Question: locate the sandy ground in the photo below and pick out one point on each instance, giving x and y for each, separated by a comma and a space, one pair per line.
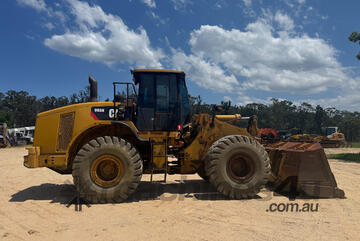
33, 207
341, 150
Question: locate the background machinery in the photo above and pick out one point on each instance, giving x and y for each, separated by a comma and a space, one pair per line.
330, 137
108, 146
269, 135
4, 138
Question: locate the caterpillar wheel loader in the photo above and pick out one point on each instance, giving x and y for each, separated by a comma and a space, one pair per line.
332, 137
108, 146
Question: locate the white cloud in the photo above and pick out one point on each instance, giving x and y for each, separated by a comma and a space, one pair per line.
348, 97
157, 17
346, 101
49, 26
266, 58
284, 21
205, 74
180, 4
243, 99
301, 1
38, 5
265, 61
247, 3
248, 10
104, 38
227, 98
324, 17
150, 3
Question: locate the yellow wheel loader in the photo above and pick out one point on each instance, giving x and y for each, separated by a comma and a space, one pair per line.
108, 146
332, 138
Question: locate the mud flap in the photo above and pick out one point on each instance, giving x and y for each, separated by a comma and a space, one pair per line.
302, 168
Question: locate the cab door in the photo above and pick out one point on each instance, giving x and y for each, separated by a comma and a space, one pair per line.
145, 113
158, 107
166, 109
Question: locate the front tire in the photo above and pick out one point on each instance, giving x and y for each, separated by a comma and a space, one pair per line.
202, 173
107, 169
237, 166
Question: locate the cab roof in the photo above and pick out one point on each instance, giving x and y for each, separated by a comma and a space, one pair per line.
135, 71
157, 70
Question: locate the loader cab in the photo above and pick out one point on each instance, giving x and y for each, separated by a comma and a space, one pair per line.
163, 102
331, 130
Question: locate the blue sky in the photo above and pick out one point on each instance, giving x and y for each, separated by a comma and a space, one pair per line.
239, 50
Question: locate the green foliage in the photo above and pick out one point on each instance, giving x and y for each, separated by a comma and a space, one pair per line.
351, 157
355, 144
354, 37
320, 118
18, 108
284, 115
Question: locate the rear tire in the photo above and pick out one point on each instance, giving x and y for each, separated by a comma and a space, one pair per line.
237, 166
107, 169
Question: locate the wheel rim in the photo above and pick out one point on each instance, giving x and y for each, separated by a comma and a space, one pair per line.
240, 168
107, 170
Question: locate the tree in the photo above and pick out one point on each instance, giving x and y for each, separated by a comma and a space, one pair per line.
354, 37
22, 107
305, 113
18, 108
81, 97
350, 126
320, 117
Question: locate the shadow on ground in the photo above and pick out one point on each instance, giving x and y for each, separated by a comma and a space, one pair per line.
178, 190
175, 191
55, 193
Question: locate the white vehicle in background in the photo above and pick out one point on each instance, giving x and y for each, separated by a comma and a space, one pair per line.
29, 133
22, 135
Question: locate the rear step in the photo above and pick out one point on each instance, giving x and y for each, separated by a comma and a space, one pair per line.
163, 146
305, 167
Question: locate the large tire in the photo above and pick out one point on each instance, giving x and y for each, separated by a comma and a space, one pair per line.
202, 173
107, 169
237, 166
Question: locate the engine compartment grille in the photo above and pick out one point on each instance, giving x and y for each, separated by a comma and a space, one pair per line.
65, 130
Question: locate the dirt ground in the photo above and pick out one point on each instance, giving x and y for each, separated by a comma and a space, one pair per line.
33, 207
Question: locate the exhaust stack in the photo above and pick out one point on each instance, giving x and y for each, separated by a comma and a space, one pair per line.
93, 89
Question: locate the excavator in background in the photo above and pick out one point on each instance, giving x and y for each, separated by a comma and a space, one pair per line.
269, 135
108, 146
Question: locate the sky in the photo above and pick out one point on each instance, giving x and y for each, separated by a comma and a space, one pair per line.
240, 50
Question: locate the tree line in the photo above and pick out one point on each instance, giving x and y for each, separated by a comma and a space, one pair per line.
285, 115
19, 108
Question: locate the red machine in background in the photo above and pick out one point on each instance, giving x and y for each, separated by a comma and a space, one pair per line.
269, 135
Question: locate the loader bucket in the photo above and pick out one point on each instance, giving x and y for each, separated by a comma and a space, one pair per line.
303, 168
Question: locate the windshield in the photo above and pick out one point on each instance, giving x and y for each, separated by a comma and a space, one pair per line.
330, 130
